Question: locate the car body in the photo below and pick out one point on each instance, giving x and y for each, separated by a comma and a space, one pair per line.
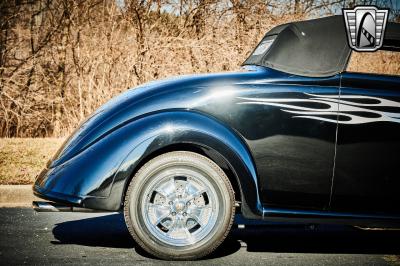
311, 144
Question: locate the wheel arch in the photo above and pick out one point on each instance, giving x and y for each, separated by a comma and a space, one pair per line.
185, 130
201, 149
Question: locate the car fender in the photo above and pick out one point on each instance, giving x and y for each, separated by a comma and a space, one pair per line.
157, 131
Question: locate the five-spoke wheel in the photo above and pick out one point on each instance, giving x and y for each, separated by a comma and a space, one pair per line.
179, 205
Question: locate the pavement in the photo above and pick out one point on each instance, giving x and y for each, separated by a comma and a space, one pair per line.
33, 238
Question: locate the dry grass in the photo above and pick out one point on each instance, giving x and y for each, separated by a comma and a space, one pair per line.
21, 159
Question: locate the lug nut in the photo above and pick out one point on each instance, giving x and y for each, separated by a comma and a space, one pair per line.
188, 203
173, 213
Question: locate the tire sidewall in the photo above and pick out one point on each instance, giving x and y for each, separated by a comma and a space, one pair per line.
134, 199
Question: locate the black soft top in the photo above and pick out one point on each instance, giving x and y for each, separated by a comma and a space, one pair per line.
314, 48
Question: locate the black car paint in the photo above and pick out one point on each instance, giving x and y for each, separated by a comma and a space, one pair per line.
366, 173
283, 164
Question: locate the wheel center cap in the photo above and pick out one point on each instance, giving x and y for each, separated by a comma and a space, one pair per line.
179, 206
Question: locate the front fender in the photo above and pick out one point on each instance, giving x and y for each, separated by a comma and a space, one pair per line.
100, 174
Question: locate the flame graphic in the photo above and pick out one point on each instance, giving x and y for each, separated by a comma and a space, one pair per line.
350, 110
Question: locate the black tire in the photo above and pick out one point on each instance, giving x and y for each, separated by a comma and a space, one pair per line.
219, 190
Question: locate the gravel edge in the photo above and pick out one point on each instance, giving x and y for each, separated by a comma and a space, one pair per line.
16, 196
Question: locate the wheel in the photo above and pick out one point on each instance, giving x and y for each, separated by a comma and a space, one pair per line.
179, 206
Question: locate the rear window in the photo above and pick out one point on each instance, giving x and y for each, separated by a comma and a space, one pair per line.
379, 62
265, 44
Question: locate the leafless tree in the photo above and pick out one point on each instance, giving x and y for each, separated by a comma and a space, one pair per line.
61, 59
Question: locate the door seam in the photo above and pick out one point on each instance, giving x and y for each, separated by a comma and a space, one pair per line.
336, 140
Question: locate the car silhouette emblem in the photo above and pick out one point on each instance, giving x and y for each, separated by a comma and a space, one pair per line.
365, 27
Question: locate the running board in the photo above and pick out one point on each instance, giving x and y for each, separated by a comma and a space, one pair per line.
327, 216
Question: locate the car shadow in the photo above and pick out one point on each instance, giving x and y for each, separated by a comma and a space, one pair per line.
110, 231
101, 231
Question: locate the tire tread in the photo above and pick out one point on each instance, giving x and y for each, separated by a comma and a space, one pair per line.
216, 244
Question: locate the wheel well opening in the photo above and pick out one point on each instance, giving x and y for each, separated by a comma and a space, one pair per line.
205, 151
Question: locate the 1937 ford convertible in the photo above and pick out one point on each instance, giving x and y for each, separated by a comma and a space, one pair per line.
291, 137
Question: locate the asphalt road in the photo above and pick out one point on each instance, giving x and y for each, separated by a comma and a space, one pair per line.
102, 239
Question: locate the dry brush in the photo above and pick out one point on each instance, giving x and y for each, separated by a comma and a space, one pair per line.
61, 59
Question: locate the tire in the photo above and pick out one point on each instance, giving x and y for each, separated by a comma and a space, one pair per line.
179, 206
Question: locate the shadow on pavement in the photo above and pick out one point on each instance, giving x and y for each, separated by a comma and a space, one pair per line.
323, 239
102, 231
110, 231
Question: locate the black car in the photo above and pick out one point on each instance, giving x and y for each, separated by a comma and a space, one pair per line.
291, 137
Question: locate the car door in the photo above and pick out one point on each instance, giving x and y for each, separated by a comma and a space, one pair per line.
367, 177
291, 132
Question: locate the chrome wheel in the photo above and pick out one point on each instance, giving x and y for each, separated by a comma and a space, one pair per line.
180, 207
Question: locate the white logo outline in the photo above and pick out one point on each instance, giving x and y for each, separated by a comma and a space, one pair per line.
352, 19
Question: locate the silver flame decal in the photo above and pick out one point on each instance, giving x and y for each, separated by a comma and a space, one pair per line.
353, 109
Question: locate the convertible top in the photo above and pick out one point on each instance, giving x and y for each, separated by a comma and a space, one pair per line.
313, 48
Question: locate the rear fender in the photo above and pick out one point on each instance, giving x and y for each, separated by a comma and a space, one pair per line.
158, 131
